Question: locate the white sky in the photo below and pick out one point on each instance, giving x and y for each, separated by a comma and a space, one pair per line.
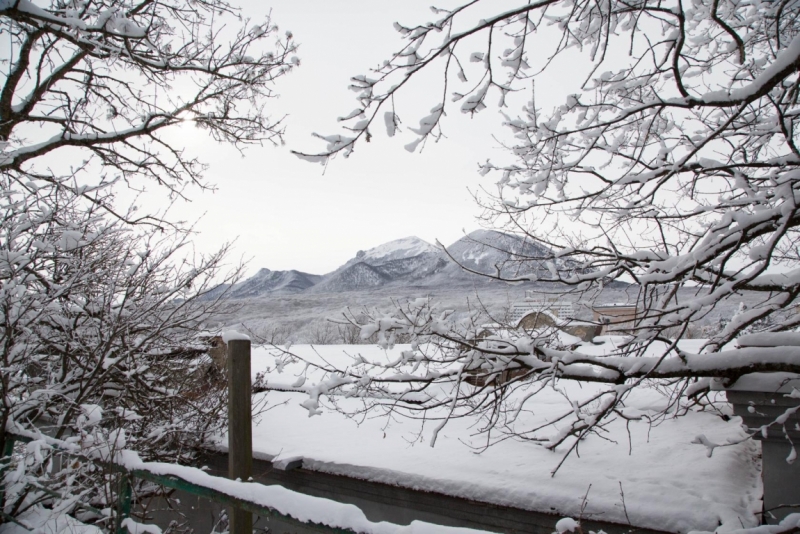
285, 213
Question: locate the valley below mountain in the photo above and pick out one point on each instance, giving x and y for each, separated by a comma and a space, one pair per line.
297, 307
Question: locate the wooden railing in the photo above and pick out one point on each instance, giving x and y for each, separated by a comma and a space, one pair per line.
239, 458
208, 490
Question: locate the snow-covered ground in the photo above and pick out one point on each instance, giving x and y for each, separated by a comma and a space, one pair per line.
300, 318
668, 482
43, 521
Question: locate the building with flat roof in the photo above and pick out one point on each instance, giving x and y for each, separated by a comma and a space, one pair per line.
534, 303
617, 317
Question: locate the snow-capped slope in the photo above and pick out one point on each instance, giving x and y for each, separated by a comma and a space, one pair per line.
412, 261
408, 247
275, 282
414, 268
397, 261
350, 278
490, 252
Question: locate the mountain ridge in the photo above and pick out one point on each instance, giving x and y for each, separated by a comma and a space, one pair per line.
411, 261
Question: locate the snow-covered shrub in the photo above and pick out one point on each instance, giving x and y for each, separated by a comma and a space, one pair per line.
98, 346
98, 303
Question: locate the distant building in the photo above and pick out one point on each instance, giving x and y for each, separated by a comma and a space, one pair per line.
539, 321
538, 313
555, 306
615, 317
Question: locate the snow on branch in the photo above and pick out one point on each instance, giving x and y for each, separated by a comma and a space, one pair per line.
455, 369
101, 76
673, 167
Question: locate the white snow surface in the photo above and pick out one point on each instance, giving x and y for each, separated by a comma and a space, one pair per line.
305, 508
567, 524
406, 247
763, 382
770, 339
233, 335
43, 521
669, 483
139, 528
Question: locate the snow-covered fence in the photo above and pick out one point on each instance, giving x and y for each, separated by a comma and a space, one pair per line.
233, 493
292, 508
243, 498
768, 405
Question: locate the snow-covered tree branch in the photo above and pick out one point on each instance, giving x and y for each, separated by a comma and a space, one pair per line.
100, 314
451, 366
108, 77
671, 168
99, 327
675, 165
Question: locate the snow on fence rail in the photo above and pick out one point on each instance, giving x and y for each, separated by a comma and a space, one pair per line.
267, 501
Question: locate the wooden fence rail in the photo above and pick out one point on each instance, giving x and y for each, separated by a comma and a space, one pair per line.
207, 491
240, 461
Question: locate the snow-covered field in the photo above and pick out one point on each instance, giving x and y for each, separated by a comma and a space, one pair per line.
306, 318
668, 482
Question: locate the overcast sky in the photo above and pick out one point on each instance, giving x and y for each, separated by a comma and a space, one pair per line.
284, 211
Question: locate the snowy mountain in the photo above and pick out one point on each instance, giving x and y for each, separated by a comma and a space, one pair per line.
490, 252
352, 277
274, 282
399, 249
407, 259
412, 262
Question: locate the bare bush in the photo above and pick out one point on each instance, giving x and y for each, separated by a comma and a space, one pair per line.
101, 344
100, 305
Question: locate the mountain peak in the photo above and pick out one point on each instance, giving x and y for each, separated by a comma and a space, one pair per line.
399, 248
278, 282
411, 261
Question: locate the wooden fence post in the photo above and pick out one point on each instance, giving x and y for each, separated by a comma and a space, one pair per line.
5, 461
240, 426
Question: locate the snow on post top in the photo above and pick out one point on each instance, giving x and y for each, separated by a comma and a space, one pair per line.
762, 382
770, 339
567, 524
233, 335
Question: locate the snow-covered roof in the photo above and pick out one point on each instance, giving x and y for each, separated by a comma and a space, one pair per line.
614, 305
555, 319
560, 322
560, 309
